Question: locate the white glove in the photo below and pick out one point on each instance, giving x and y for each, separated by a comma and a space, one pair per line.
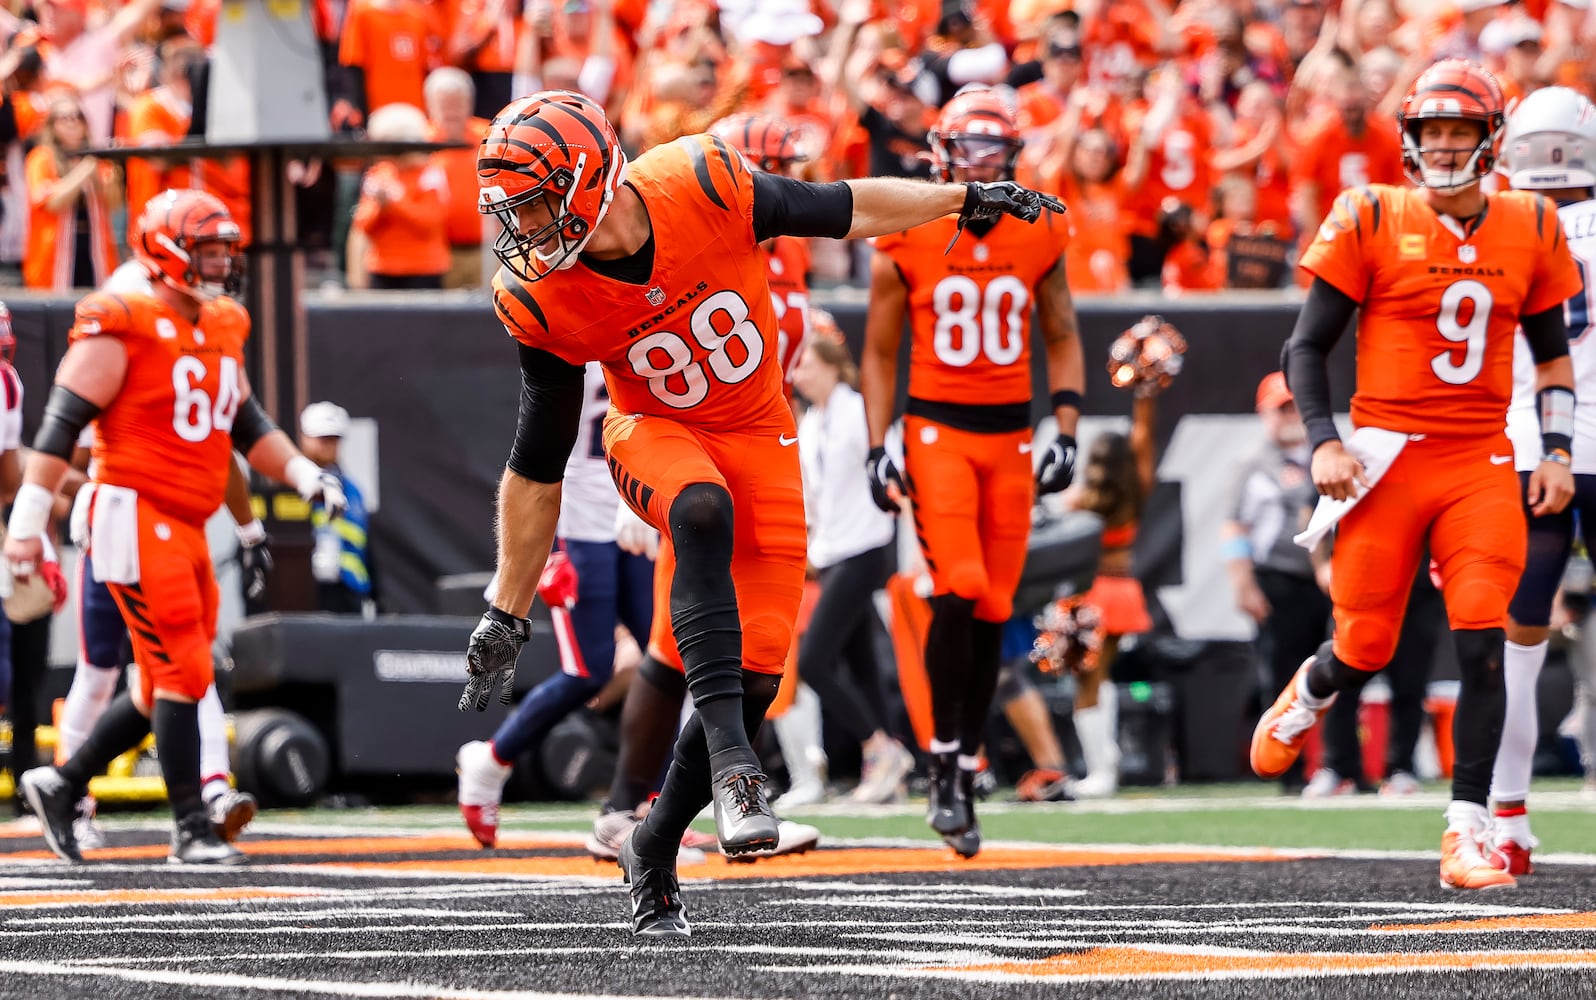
635, 535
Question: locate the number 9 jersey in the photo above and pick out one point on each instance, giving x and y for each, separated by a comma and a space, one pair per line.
970, 311
1440, 309
167, 434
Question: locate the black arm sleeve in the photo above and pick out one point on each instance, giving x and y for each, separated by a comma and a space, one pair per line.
1547, 334
65, 415
8, 122
1304, 359
250, 424
787, 207
550, 416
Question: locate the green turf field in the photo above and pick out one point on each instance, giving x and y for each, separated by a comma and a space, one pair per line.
1236, 815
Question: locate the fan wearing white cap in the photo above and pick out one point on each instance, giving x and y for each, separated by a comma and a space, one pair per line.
340, 558
1550, 148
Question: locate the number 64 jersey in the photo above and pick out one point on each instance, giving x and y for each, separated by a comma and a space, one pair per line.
167, 434
1440, 308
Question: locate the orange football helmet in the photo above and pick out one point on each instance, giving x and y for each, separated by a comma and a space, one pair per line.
1453, 89
173, 226
976, 130
558, 146
768, 143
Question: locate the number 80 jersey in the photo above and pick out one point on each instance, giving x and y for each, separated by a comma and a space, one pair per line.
970, 311
167, 433
1438, 309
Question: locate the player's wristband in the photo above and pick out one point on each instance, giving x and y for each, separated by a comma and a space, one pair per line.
1068, 397
1556, 408
30, 511
252, 533
1560, 457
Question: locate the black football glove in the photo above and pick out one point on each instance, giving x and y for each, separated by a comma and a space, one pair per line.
884, 479
490, 658
255, 560
1058, 465
995, 199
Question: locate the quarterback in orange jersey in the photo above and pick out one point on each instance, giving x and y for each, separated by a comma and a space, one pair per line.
161, 376
967, 427
1441, 275
652, 269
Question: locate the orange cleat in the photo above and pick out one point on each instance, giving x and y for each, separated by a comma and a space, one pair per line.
1278, 739
1464, 867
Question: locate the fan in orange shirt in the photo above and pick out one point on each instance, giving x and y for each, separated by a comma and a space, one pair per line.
403, 209
1441, 278
967, 427
657, 279
450, 95
1347, 151
1169, 146
386, 48
159, 117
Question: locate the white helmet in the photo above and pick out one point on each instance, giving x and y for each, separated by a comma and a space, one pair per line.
1551, 141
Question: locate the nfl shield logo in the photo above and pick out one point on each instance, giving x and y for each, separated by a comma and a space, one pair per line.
656, 295
1466, 253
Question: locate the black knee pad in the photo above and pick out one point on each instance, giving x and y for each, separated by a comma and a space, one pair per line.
701, 521
1011, 685
1329, 672
759, 693
1479, 652
671, 683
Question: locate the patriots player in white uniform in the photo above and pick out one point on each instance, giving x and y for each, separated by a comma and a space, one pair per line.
1550, 147
609, 586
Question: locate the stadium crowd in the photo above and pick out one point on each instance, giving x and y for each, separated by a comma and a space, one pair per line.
1196, 144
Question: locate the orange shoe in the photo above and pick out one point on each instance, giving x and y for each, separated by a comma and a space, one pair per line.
1464, 867
1278, 739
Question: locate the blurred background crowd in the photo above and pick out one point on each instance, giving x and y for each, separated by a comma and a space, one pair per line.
1195, 143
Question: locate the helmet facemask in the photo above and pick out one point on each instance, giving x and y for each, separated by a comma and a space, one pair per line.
194, 282
555, 245
977, 151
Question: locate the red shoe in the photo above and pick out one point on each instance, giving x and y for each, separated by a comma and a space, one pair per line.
483, 822
1280, 734
1512, 857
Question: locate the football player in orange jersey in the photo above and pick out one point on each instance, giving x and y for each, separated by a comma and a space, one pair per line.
1440, 275
773, 145
967, 426
652, 270
161, 376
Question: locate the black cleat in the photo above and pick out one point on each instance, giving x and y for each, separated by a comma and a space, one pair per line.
657, 908
54, 802
744, 821
967, 842
949, 811
194, 842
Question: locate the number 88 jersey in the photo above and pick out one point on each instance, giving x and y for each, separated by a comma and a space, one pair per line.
1439, 307
167, 433
970, 311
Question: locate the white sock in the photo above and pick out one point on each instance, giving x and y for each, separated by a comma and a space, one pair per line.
1514, 828
1467, 817
1515, 757
91, 691
968, 763
215, 761
945, 746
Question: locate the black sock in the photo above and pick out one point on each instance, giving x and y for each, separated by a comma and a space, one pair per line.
177, 745
1329, 675
947, 660
687, 784
1481, 709
980, 682
648, 728
704, 618
119, 730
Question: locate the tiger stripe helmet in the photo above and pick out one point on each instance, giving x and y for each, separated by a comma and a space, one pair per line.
766, 142
976, 129
1452, 89
173, 225
558, 146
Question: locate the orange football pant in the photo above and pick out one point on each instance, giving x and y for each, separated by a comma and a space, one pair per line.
1461, 493
654, 458
171, 611
972, 498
